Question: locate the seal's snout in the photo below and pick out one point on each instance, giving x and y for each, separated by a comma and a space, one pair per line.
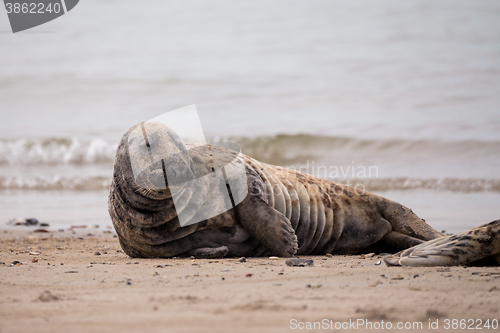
159, 159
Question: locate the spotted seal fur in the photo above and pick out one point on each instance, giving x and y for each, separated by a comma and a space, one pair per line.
285, 213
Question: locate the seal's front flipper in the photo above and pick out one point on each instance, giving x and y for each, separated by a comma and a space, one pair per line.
268, 226
208, 252
461, 249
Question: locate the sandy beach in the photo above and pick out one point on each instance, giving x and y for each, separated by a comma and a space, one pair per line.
81, 281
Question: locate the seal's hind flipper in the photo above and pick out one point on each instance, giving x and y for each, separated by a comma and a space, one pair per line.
405, 221
461, 249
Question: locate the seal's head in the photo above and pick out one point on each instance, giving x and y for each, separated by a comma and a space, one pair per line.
159, 159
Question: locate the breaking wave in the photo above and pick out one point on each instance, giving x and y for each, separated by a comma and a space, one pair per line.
291, 149
51, 151
75, 156
280, 149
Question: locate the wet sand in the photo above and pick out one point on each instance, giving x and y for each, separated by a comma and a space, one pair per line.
83, 282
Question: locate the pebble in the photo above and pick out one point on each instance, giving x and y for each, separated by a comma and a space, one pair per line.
249, 275
397, 277
31, 221
46, 296
378, 262
274, 258
316, 286
97, 253
242, 259
295, 262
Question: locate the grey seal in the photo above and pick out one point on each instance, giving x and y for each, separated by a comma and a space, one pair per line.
285, 212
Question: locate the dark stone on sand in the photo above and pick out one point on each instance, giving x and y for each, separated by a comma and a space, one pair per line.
31, 221
242, 259
46, 296
296, 262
